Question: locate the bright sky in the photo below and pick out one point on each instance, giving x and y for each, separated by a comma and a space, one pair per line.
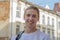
43, 3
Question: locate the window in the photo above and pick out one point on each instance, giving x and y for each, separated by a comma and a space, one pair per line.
48, 21
17, 28
52, 22
53, 35
59, 24
38, 26
18, 11
49, 32
18, 5
43, 19
18, 14
44, 30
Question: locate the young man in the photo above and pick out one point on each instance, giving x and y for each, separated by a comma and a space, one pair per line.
31, 16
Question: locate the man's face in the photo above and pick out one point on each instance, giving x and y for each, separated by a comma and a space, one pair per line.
31, 18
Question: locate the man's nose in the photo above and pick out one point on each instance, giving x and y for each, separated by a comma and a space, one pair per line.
30, 18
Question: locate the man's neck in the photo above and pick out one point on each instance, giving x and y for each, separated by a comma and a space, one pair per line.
28, 30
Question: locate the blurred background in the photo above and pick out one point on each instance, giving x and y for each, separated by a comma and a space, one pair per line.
12, 22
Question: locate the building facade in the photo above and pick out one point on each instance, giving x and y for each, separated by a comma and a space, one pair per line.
48, 20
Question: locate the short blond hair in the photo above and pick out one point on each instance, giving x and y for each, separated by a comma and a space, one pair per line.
32, 7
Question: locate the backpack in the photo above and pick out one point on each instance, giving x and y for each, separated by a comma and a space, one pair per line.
19, 35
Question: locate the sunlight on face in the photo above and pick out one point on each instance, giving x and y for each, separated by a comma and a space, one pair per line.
31, 18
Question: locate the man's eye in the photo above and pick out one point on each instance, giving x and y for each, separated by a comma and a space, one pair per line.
28, 15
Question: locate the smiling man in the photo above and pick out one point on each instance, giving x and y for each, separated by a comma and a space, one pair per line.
31, 16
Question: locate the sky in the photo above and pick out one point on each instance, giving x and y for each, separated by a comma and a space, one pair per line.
43, 3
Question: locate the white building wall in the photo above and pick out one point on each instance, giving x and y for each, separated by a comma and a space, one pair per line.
22, 12
21, 19
50, 15
23, 7
58, 25
12, 27
45, 13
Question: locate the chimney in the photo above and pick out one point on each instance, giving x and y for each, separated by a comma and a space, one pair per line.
57, 7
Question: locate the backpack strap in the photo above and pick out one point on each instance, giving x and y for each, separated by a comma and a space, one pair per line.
19, 35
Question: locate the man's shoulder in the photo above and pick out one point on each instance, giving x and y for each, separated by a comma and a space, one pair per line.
42, 34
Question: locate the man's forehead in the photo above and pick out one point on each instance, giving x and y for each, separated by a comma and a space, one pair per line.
31, 11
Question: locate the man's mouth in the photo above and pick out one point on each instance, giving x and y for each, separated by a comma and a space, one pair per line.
30, 22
